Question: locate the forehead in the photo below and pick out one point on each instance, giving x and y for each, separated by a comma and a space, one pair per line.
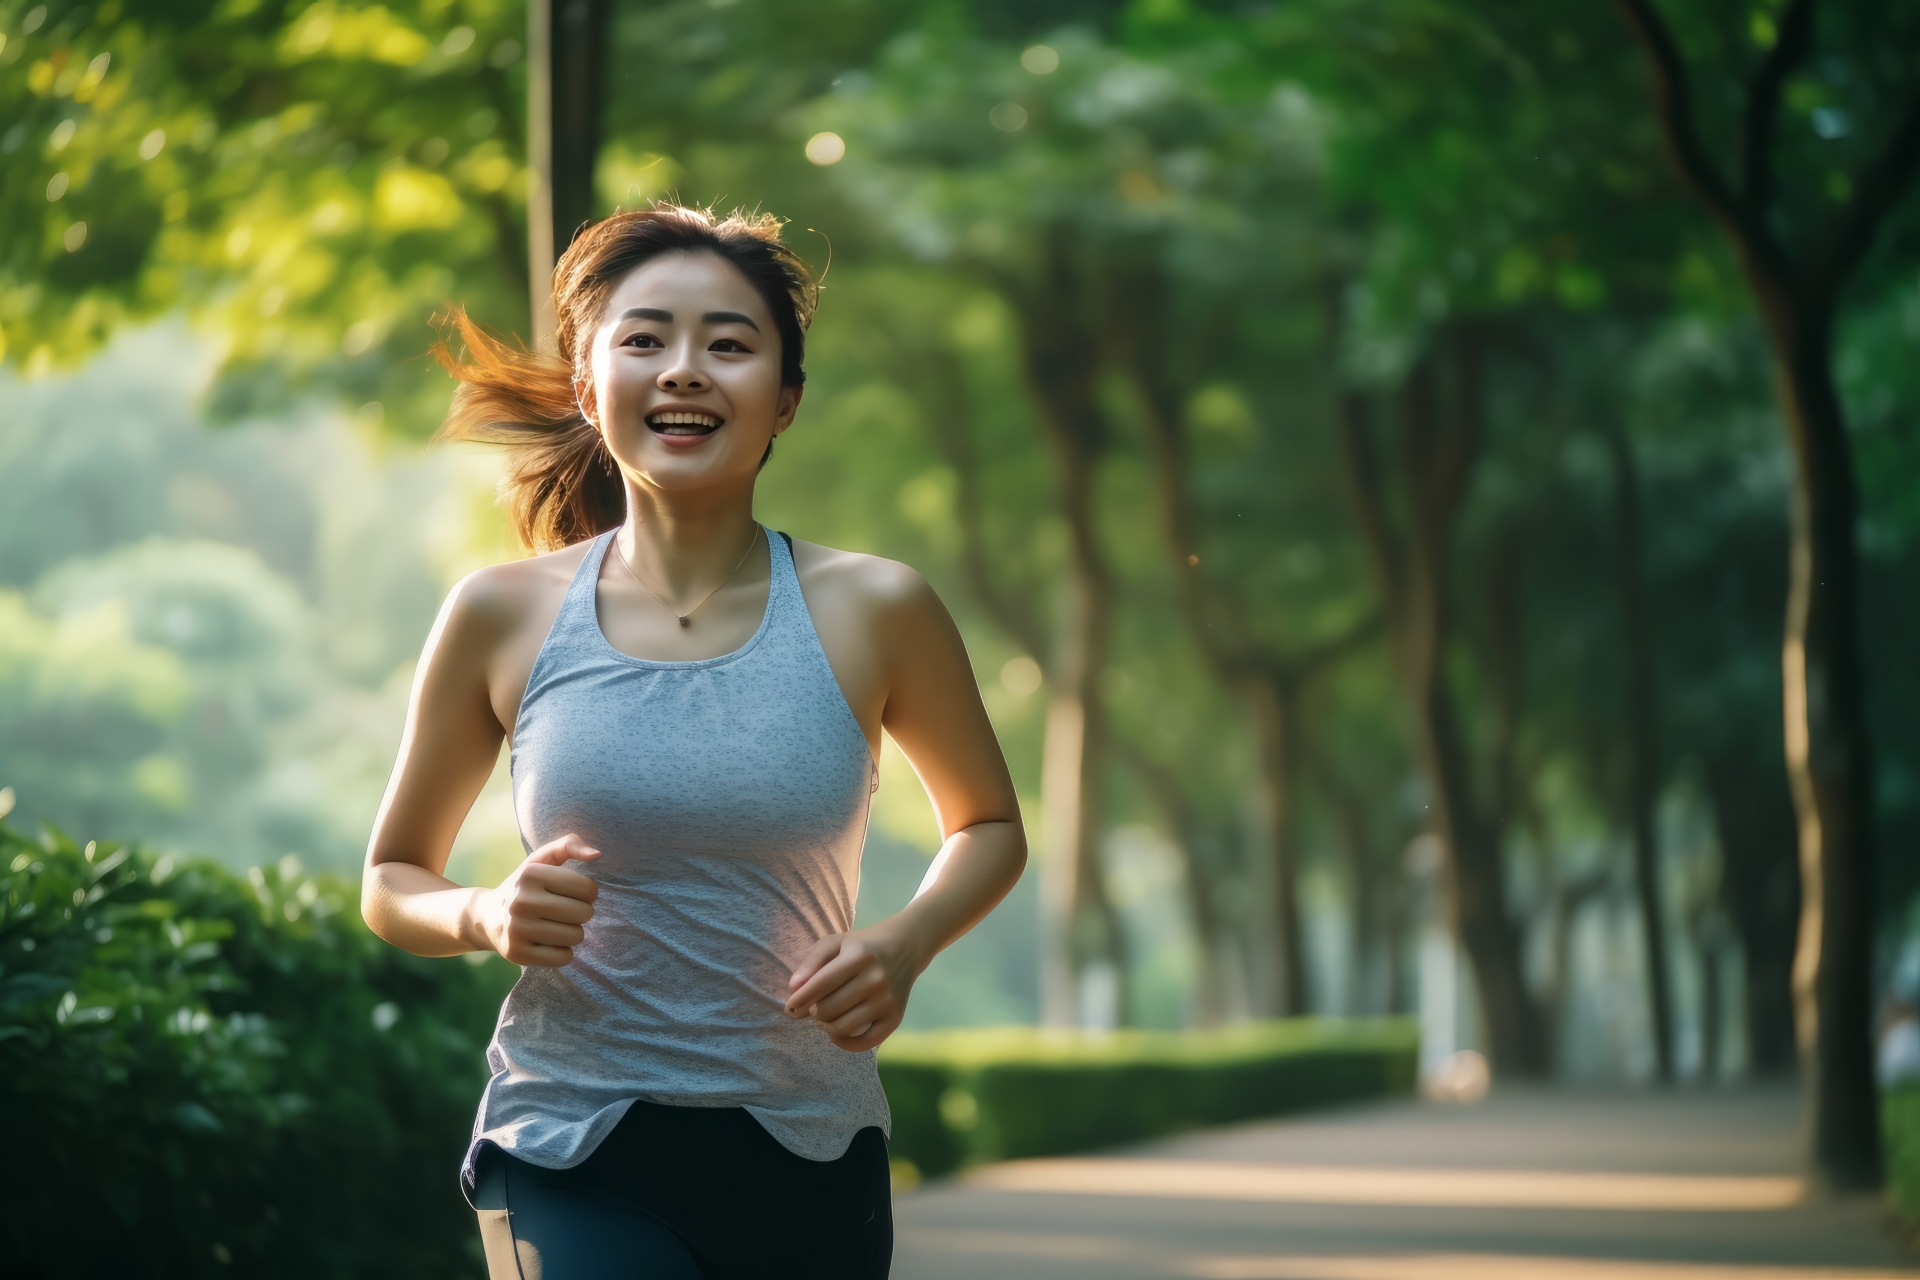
689, 284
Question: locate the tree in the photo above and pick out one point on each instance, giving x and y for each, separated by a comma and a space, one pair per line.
566, 74
1440, 435
1798, 260
309, 179
1642, 741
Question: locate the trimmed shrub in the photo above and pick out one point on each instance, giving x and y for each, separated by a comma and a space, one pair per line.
966, 1097
212, 1075
1900, 1127
207, 1074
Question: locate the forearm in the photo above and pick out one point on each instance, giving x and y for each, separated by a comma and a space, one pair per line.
973, 871
419, 911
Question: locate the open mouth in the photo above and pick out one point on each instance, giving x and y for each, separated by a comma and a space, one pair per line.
683, 424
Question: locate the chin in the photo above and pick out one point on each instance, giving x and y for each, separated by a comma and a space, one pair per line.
680, 467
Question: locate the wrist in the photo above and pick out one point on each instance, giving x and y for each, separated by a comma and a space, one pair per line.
473, 929
899, 938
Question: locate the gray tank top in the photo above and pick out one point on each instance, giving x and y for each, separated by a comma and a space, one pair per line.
728, 798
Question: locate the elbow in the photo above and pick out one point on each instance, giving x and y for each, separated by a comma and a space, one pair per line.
1016, 849
373, 901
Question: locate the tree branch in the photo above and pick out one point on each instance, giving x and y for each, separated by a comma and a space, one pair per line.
1367, 487
1879, 187
1790, 48
1673, 106
946, 412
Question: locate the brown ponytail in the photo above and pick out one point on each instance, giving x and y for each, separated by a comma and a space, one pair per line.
562, 485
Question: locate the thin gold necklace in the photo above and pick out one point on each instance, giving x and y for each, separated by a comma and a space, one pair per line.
686, 619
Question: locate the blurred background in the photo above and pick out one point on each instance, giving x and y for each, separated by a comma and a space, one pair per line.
1368, 471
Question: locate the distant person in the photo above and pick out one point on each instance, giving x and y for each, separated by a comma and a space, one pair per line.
683, 1077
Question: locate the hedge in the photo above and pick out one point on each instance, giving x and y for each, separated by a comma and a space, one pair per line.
209, 1074
1900, 1127
205, 1074
966, 1097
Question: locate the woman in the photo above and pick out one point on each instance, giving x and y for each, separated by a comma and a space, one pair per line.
683, 1078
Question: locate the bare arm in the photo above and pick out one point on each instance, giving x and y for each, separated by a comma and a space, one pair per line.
452, 739
857, 984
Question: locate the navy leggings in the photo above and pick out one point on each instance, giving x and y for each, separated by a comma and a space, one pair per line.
688, 1193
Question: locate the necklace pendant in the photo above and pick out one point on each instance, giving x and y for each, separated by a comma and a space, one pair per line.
684, 621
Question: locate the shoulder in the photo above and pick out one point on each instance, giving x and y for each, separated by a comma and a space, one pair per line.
867, 585
495, 602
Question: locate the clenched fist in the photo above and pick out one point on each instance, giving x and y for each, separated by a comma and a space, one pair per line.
855, 985
536, 915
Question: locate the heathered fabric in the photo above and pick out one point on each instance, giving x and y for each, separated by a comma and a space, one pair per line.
728, 798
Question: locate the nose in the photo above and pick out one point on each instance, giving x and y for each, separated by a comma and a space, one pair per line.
683, 374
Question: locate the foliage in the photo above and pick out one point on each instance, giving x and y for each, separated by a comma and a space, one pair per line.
210, 632
225, 1076
308, 176
1900, 1120
1301, 199
967, 1097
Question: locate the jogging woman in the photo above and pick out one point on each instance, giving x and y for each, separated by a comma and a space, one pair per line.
683, 1080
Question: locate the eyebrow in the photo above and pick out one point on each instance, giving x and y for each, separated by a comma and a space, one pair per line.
712, 317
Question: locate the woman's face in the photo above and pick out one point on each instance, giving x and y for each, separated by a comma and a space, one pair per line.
686, 375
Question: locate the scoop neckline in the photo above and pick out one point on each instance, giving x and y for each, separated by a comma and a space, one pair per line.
593, 615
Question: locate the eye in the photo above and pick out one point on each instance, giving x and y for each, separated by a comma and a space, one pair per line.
728, 344
641, 340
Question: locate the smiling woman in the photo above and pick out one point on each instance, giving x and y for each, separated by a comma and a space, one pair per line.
683, 1079
562, 485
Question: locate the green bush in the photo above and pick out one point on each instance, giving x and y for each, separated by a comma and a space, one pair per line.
965, 1097
1900, 1125
206, 1074
211, 1075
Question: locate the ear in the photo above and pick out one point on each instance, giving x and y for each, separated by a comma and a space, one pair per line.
789, 405
583, 397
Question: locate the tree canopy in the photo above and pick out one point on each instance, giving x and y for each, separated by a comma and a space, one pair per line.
1359, 427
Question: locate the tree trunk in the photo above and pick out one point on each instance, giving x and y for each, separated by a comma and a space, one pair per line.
579, 76
1643, 748
540, 254
1061, 352
1829, 760
1270, 707
1570, 898
1438, 450
1267, 682
1184, 826
1759, 889
1370, 951
566, 61
1072, 772
1828, 746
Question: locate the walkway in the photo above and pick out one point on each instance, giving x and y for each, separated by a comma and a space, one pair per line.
1525, 1186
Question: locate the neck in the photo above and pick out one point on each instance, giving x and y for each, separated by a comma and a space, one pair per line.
685, 542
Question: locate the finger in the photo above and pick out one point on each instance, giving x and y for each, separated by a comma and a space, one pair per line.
537, 956
868, 1039
856, 1020
538, 897
537, 904
567, 848
828, 980
817, 956
859, 988
548, 933
558, 880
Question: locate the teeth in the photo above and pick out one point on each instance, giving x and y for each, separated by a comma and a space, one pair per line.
703, 421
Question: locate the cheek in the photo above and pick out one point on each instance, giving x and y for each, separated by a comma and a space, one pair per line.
756, 394
618, 380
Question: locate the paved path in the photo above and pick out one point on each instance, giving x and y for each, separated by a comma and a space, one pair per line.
1524, 1186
